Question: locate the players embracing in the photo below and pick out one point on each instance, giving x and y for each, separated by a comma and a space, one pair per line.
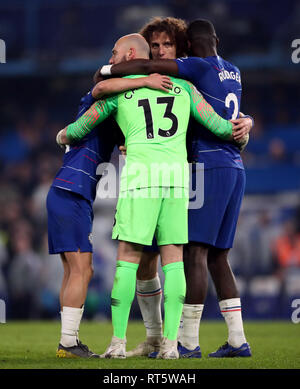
221, 159
212, 227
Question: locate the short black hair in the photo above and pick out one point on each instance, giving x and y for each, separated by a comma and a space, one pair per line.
199, 28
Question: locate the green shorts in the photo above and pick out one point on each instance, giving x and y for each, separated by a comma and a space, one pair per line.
143, 213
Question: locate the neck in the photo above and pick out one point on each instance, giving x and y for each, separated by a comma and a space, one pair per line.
203, 46
204, 52
141, 56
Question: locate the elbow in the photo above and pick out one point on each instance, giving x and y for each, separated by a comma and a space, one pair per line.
98, 91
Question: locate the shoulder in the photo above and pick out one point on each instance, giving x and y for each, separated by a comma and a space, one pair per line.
192, 68
229, 65
192, 61
107, 104
186, 85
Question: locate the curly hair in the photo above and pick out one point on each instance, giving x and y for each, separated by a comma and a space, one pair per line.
173, 27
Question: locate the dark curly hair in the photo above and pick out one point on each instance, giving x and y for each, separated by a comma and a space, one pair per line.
173, 27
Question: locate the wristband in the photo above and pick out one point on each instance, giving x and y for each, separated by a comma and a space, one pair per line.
105, 70
250, 117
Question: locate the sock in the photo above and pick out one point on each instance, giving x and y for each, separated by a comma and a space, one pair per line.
174, 294
122, 296
232, 313
70, 322
149, 298
78, 323
190, 323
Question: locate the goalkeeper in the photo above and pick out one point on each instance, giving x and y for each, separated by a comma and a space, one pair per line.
154, 124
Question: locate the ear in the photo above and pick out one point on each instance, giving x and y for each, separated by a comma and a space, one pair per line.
189, 49
131, 54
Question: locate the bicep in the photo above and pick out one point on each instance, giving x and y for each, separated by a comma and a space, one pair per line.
163, 66
145, 66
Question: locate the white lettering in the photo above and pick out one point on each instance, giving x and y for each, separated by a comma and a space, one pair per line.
123, 379
107, 186
2, 311
2, 51
296, 53
296, 314
225, 75
164, 378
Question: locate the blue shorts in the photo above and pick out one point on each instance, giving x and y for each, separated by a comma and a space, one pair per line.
70, 220
215, 222
153, 248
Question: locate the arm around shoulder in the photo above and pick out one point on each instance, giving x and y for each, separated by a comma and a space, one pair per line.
206, 115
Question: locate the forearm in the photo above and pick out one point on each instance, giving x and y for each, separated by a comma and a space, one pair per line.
86, 123
117, 85
142, 66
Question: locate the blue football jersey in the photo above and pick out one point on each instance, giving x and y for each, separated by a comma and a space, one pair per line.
220, 83
78, 172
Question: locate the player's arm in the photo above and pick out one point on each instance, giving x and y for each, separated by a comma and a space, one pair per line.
206, 115
98, 112
117, 85
139, 66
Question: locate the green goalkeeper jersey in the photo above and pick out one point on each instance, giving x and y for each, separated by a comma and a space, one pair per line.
154, 124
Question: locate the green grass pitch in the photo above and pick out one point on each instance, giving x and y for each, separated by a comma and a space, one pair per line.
32, 345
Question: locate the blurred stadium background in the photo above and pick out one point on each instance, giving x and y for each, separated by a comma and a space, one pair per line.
53, 48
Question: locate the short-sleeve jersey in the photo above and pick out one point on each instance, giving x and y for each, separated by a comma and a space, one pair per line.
220, 83
79, 170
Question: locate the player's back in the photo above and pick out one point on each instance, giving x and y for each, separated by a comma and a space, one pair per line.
154, 124
220, 83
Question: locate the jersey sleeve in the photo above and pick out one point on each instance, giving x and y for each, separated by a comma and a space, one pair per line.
98, 112
190, 68
85, 103
206, 115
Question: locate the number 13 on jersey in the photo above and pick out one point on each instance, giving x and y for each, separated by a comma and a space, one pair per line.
169, 102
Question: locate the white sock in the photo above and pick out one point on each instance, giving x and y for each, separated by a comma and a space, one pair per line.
149, 296
232, 313
70, 322
190, 324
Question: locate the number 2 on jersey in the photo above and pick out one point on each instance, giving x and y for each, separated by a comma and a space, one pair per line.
231, 97
169, 101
